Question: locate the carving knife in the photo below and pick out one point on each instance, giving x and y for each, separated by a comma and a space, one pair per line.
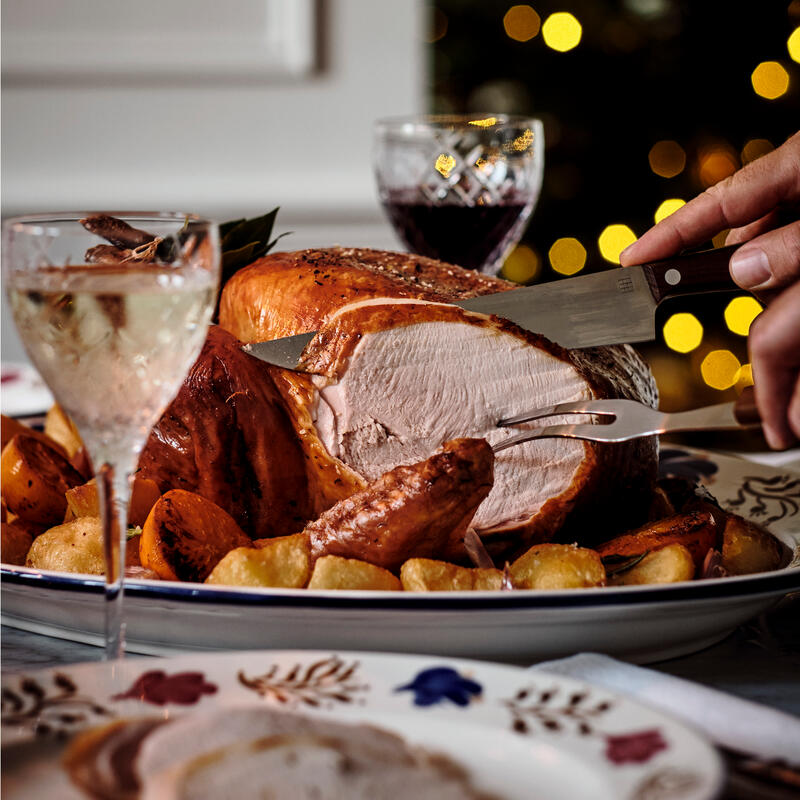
615, 306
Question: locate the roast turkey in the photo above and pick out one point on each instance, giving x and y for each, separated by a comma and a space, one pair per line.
228, 437
396, 370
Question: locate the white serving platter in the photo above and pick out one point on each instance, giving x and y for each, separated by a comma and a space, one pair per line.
637, 623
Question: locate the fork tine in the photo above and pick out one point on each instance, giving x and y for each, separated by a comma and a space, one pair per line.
600, 407
595, 433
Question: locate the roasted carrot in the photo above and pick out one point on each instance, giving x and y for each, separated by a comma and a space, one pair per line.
35, 477
185, 536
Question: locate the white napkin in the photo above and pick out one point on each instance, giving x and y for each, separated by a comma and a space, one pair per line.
726, 720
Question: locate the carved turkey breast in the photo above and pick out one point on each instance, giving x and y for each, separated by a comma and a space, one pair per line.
397, 371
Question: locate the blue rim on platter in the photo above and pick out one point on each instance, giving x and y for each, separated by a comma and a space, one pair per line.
786, 580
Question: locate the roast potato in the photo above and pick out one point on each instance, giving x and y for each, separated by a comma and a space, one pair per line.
284, 561
10, 427
335, 572
557, 566
430, 575
82, 500
75, 546
59, 427
748, 548
668, 564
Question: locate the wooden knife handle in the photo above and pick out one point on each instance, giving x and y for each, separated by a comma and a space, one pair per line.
706, 271
745, 409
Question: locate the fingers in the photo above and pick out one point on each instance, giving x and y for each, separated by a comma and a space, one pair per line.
774, 344
769, 261
747, 232
747, 195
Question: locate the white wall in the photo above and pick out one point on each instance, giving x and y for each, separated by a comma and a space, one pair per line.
206, 106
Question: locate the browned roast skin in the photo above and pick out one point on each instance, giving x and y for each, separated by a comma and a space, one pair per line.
609, 472
417, 511
287, 293
227, 437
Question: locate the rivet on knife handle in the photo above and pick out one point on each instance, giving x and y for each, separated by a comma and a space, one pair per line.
690, 274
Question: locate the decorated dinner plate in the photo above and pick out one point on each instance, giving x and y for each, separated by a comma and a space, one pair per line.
637, 623
511, 733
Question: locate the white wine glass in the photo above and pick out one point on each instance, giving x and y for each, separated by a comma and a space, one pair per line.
112, 323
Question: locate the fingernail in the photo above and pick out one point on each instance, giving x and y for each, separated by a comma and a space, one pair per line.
750, 267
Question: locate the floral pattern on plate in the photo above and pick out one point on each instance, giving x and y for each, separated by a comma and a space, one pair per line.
510, 730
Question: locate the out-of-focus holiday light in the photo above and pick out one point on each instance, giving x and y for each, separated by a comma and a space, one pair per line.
793, 45
756, 148
522, 265
567, 256
715, 164
770, 80
745, 377
667, 158
740, 313
683, 332
562, 31
613, 240
521, 23
438, 26
720, 369
668, 207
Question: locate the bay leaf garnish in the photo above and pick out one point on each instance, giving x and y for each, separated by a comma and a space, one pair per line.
246, 240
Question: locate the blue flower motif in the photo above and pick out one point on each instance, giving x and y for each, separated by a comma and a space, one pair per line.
436, 684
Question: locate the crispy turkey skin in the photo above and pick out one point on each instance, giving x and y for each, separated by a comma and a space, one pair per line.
417, 511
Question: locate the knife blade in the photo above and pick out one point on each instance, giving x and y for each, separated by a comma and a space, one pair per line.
616, 306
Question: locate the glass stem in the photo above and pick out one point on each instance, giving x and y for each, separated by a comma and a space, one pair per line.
114, 490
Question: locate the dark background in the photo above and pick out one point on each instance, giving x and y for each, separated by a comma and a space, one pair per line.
644, 71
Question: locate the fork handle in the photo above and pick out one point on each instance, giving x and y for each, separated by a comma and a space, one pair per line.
745, 409
694, 273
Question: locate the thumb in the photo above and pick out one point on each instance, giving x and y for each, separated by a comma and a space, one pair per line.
769, 261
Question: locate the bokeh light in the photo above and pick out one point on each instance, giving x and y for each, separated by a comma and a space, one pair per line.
683, 332
745, 377
793, 45
613, 240
720, 369
740, 313
716, 163
770, 80
521, 23
755, 148
669, 206
523, 265
667, 158
567, 256
561, 31
438, 26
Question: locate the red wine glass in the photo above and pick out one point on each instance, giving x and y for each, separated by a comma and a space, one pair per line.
460, 188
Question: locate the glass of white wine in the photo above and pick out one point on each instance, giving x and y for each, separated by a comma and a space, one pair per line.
113, 323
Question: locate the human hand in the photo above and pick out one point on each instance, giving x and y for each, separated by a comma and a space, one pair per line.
754, 204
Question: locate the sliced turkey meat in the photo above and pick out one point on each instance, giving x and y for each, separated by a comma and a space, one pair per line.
396, 379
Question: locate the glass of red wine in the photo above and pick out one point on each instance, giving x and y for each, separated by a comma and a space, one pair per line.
460, 188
